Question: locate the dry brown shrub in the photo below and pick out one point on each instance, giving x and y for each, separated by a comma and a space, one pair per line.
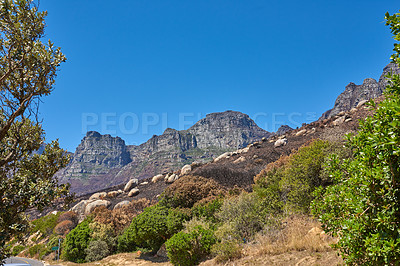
121, 217
64, 227
188, 190
69, 216
298, 233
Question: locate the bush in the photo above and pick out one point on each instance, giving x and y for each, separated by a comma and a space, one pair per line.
288, 184
188, 248
226, 250
188, 190
17, 249
243, 215
38, 249
64, 227
207, 210
97, 250
77, 241
152, 228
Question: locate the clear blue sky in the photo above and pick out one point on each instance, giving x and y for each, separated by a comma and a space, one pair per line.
137, 67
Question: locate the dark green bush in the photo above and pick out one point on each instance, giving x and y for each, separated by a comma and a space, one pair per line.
152, 228
188, 248
77, 241
39, 249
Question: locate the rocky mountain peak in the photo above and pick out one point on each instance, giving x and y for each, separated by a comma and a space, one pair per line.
229, 129
353, 94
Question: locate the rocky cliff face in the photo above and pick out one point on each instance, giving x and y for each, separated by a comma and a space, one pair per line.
353, 94
101, 161
97, 154
226, 130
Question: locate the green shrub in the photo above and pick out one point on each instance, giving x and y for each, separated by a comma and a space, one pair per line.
287, 185
17, 249
39, 249
97, 250
77, 241
208, 210
152, 228
226, 250
188, 248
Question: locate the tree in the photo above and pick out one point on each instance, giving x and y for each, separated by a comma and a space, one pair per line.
27, 73
363, 207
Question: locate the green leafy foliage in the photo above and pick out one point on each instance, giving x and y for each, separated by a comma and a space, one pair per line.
187, 248
288, 184
77, 241
17, 249
28, 68
363, 206
208, 210
152, 228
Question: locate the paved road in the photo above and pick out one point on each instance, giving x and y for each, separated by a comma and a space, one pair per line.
24, 260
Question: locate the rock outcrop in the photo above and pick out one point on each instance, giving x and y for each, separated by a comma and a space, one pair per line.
354, 94
283, 129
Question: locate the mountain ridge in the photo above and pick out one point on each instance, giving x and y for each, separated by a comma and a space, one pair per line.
102, 160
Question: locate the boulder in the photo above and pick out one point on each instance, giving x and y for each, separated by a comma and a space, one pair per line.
162, 252
172, 178
121, 204
280, 142
80, 209
133, 192
131, 184
301, 132
112, 194
144, 183
225, 155
361, 103
157, 178
91, 206
166, 177
240, 159
186, 169
338, 121
99, 195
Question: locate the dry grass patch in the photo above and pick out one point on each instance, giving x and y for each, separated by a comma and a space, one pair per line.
300, 233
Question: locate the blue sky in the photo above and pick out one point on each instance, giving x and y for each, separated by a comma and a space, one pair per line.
136, 67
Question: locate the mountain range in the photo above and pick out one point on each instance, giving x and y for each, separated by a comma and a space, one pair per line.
102, 161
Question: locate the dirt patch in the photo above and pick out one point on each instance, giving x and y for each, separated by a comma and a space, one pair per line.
120, 260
